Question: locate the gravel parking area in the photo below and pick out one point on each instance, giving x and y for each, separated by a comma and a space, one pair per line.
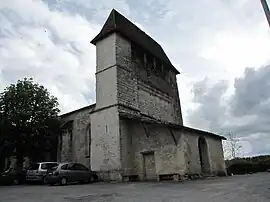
254, 188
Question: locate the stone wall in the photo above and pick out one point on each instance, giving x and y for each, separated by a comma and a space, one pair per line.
105, 144
215, 153
80, 136
65, 146
155, 103
140, 88
106, 53
127, 82
137, 140
192, 153
176, 151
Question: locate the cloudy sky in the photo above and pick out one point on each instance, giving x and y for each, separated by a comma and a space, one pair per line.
221, 48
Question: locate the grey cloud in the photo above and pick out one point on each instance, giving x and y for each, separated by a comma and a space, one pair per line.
246, 113
251, 92
211, 111
260, 145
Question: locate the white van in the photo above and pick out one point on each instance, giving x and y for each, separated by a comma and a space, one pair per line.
38, 171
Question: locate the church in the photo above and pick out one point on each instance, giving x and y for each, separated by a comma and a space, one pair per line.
135, 129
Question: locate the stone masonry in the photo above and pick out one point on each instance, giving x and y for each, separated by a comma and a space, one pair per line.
135, 130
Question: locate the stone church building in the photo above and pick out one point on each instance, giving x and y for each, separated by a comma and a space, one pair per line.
135, 130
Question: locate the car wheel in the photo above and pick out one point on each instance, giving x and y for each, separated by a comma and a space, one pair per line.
44, 180
95, 178
91, 179
16, 181
63, 181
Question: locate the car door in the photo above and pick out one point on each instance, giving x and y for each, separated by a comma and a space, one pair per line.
71, 172
81, 172
85, 173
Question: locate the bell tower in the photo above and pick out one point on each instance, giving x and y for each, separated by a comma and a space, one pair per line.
134, 77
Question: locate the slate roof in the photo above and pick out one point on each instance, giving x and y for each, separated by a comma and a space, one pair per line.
141, 118
117, 23
88, 107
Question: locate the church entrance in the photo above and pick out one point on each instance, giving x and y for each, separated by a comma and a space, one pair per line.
149, 166
204, 156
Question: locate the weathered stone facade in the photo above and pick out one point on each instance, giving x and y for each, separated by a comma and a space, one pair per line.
74, 142
135, 129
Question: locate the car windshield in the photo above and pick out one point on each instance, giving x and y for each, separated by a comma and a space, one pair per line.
34, 166
48, 166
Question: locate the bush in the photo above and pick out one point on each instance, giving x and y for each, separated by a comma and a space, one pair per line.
245, 168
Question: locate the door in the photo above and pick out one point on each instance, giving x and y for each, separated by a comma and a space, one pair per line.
204, 156
149, 166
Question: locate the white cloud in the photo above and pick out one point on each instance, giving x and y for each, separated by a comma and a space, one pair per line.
237, 49
51, 46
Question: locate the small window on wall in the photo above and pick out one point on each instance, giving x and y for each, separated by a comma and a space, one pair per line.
168, 78
133, 52
70, 132
149, 65
154, 66
137, 55
158, 68
163, 72
141, 58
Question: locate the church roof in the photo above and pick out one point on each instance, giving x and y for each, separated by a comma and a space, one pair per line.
117, 23
88, 107
141, 118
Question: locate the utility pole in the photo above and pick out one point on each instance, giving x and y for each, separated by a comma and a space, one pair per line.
266, 11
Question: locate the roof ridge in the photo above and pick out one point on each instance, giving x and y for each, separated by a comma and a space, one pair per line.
116, 22
144, 32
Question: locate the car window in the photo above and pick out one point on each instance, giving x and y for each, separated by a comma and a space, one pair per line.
70, 166
64, 167
48, 165
34, 166
78, 166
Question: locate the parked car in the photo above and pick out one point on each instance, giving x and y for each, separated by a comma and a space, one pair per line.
12, 177
66, 173
38, 171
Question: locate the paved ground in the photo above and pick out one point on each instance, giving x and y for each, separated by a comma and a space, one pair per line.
248, 188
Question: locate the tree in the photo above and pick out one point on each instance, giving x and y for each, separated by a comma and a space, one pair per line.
29, 118
232, 146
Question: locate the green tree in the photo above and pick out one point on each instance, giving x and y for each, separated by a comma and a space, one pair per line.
29, 119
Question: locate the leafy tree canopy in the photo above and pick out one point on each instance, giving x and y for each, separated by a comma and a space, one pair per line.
29, 114
27, 103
